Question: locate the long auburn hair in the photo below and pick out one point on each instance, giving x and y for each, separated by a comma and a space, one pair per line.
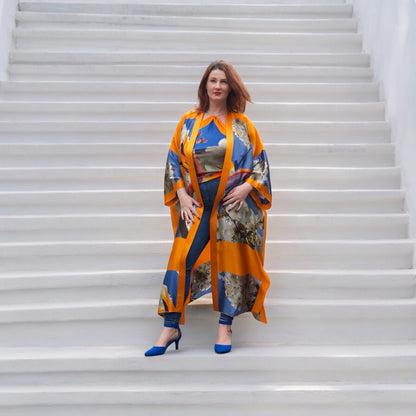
238, 96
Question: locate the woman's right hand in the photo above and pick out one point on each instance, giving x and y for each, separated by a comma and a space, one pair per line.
187, 205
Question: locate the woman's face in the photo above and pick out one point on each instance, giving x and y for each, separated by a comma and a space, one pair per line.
217, 87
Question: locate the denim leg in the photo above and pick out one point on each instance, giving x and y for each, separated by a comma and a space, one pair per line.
171, 319
208, 193
225, 319
200, 241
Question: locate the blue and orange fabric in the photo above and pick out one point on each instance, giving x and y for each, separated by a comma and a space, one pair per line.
209, 149
231, 265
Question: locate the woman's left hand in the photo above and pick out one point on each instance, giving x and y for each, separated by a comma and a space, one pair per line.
237, 196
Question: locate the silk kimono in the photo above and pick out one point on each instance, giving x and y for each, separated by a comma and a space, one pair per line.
231, 265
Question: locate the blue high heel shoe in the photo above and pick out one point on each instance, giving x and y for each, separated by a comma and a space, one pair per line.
223, 349
161, 350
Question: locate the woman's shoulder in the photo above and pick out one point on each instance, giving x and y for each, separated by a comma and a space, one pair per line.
189, 115
241, 116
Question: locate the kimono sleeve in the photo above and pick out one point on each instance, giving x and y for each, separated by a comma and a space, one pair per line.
259, 177
173, 176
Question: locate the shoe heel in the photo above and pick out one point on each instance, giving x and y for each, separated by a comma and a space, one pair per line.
178, 339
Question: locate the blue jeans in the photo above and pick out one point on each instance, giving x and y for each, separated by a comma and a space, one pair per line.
208, 193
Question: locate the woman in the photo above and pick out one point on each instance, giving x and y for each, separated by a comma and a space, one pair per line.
217, 185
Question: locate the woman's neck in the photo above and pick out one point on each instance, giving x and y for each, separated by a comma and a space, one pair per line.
217, 111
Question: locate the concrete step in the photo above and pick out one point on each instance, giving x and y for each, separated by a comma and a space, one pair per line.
335, 178
121, 40
147, 154
95, 366
199, 57
324, 155
103, 285
338, 284
128, 3
162, 73
82, 21
281, 254
151, 111
183, 91
190, 9
133, 177
192, 2
284, 132
135, 322
126, 201
337, 226
36, 228
129, 400
222, 2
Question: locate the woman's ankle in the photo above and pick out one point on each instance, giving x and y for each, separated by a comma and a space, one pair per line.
168, 334
224, 334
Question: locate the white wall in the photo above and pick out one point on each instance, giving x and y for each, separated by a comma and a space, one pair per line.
389, 33
7, 12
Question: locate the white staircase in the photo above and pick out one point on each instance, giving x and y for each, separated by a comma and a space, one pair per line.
95, 90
